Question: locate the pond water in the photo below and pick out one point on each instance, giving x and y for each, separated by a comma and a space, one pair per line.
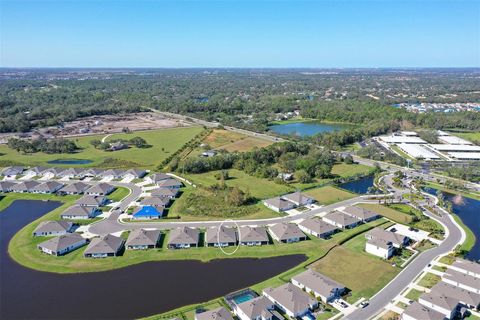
308, 128
132, 292
359, 186
70, 161
468, 210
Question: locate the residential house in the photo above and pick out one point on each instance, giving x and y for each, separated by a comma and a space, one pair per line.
278, 204
147, 213
209, 153
299, 199
117, 145
465, 297
77, 212
165, 193
215, 314
440, 302
380, 248
92, 173
291, 299
106, 246
53, 228
134, 174
6, 186
154, 202
361, 214
462, 280
71, 173
13, 171
221, 237
92, 201
35, 171
26, 186
341, 220
48, 187
183, 237
75, 188
259, 308
170, 184
417, 311
51, 173
466, 266
113, 174
156, 178
100, 189
397, 240
253, 236
62, 244
317, 228
318, 284
286, 233
141, 239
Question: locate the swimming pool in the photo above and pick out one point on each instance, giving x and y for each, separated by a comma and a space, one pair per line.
243, 298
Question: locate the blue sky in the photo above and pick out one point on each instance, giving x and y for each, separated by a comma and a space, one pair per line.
229, 33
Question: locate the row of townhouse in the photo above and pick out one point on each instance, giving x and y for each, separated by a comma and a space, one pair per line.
458, 292
295, 299
73, 173
49, 187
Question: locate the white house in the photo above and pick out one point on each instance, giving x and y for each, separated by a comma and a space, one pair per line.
319, 285
291, 299
379, 248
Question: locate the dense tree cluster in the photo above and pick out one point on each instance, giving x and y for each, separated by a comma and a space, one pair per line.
42, 145
138, 142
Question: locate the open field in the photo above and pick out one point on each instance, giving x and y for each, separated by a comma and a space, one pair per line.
471, 136
257, 187
328, 195
118, 194
163, 142
429, 280
234, 141
345, 170
389, 213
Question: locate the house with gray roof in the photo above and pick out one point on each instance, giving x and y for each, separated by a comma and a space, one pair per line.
221, 237
157, 178
113, 173
215, 314
466, 266
170, 184
319, 285
253, 236
341, 220
75, 188
77, 212
12, 171
397, 240
299, 199
53, 228
106, 246
141, 239
462, 280
466, 298
100, 189
92, 201
62, 244
134, 173
154, 202
361, 214
6, 186
165, 193
35, 171
286, 233
92, 172
291, 299
278, 204
183, 237
317, 228
440, 302
259, 308
26, 186
71, 173
417, 311
380, 248
52, 172
48, 187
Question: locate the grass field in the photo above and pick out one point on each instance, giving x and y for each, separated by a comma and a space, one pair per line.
118, 194
471, 136
328, 195
429, 280
414, 294
257, 187
345, 170
163, 142
234, 141
389, 213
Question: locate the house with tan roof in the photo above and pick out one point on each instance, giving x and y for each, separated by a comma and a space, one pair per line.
253, 236
318, 284
291, 299
317, 228
286, 233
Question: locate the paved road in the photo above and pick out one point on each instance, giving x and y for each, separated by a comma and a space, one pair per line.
454, 234
112, 225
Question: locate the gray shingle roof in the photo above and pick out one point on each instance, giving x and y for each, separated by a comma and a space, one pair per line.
386, 236
419, 311
317, 225
318, 282
462, 295
222, 234
162, 192
153, 201
256, 307
91, 200
25, 186
53, 226
291, 297
77, 187
137, 173
108, 244
6, 186
62, 242
462, 278
156, 177
341, 218
298, 197
77, 210
142, 237
279, 203
216, 314
285, 231
183, 235
360, 213
469, 266
253, 234
12, 171
100, 188
169, 183
49, 186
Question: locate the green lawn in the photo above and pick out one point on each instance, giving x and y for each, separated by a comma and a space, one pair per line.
163, 141
257, 187
414, 294
471, 136
470, 239
328, 195
345, 170
118, 194
429, 280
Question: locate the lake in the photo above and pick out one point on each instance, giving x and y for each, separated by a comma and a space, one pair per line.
468, 210
359, 185
307, 128
132, 292
70, 161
